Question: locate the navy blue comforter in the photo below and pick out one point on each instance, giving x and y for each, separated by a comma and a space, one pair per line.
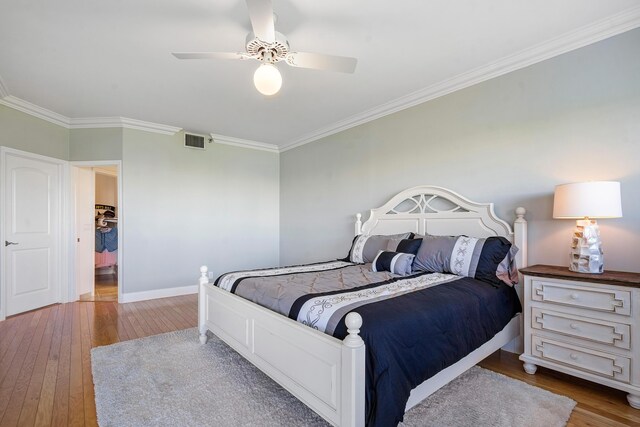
409, 337
412, 337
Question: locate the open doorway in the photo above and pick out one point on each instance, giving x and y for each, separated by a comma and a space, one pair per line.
97, 229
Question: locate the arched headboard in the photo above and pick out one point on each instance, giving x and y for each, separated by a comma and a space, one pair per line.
429, 209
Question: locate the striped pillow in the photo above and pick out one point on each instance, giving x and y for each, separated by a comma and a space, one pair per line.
395, 262
365, 247
491, 260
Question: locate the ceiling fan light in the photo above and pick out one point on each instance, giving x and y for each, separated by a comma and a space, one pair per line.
267, 79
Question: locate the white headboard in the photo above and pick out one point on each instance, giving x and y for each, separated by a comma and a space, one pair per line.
428, 209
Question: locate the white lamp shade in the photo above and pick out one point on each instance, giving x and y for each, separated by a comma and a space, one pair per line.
267, 79
596, 199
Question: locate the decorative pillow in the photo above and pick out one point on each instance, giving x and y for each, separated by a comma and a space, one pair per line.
482, 259
434, 254
365, 247
491, 260
406, 246
394, 262
508, 269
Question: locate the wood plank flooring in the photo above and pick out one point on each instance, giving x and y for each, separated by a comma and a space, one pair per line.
105, 289
45, 359
45, 363
597, 405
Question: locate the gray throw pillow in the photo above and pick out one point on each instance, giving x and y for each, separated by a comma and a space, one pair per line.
434, 254
490, 259
365, 247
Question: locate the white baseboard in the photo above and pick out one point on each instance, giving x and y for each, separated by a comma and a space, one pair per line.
157, 293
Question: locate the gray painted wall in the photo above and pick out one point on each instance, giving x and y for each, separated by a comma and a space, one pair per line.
185, 207
509, 140
24, 132
95, 144
182, 207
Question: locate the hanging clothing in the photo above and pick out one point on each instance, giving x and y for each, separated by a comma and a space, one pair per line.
106, 239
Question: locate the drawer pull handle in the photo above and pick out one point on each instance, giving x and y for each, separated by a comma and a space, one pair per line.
617, 369
617, 336
575, 296
574, 326
540, 348
540, 292
573, 356
617, 302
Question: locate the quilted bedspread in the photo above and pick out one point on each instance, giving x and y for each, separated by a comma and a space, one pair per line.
413, 326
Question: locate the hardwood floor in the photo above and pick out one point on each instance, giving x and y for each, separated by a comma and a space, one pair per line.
45, 359
45, 363
597, 405
105, 289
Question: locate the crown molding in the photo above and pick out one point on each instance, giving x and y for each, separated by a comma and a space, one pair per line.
4, 92
245, 143
86, 122
584, 36
35, 111
122, 122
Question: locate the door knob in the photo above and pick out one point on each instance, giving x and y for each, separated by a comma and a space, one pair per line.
7, 243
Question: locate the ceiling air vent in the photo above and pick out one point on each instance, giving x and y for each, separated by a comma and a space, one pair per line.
194, 141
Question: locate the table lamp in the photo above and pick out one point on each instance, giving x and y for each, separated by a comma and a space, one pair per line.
586, 201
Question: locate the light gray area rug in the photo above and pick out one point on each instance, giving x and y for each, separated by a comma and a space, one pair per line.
172, 380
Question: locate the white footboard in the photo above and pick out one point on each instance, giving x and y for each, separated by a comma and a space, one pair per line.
326, 374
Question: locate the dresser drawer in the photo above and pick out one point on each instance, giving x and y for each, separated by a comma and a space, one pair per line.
583, 296
596, 330
596, 362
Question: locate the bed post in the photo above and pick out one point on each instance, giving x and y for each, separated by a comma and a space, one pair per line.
358, 224
520, 240
202, 304
353, 370
520, 237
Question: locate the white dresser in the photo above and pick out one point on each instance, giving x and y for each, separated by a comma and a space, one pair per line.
586, 325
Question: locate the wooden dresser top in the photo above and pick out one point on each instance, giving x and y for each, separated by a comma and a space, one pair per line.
620, 278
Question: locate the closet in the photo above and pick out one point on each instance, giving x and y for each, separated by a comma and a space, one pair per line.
96, 209
106, 234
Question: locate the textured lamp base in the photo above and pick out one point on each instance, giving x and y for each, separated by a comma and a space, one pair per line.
586, 248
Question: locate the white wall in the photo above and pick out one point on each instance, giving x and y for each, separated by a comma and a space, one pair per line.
509, 140
185, 207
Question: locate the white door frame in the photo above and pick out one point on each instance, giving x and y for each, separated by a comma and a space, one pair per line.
72, 288
86, 209
63, 176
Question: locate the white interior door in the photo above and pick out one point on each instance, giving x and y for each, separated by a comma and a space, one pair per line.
31, 229
84, 179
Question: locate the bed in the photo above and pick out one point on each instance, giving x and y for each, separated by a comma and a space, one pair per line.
329, 374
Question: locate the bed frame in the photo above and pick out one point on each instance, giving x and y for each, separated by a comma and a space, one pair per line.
326, 374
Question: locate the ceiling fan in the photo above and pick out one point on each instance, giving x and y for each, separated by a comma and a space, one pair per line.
268, 46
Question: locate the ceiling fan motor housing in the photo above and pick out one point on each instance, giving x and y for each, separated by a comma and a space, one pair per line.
258, 48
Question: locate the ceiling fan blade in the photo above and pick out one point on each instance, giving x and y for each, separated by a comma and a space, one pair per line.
261, 15
211, 55
319, 61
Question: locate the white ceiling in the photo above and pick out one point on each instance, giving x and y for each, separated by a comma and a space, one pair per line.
88, 58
